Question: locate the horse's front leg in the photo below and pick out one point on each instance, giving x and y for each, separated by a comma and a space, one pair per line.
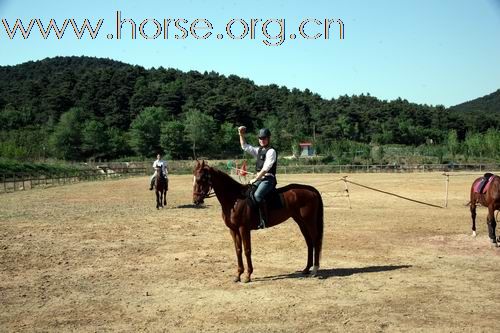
237, 246
157, 200
247, 244
165, 198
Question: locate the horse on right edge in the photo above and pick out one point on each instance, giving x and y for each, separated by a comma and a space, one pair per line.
485, 191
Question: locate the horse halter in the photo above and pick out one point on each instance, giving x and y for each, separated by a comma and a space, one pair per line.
204, 181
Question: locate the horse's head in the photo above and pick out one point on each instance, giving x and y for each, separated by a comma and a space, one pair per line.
202, 183
159, 170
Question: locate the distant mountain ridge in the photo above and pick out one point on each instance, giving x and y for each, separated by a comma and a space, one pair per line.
84, 107
489, 103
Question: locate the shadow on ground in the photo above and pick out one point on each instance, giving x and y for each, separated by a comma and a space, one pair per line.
193, 206
332, 272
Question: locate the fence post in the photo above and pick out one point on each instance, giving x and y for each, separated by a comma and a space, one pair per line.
347, 191
446, 184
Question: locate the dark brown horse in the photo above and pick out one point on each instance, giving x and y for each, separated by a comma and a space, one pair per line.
161, 188
303, 203
490, 199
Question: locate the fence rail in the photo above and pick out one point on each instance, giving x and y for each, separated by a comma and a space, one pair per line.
11, 182
19, 181
373, 168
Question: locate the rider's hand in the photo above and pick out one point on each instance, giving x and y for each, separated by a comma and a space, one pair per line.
242, 130
253, 181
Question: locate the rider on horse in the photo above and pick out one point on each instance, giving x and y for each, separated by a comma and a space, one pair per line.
265, 179
164, 172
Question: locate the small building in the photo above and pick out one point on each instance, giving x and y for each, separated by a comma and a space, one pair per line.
306, 149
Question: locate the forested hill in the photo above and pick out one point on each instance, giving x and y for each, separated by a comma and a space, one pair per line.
80, 107
486, 104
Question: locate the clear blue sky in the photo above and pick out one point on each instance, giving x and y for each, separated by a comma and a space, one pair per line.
431, 52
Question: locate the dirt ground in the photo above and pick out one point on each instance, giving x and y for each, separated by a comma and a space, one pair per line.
99, 257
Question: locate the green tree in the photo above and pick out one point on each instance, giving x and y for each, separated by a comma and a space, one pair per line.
66, 138
473, 145
492, 143
281, 139
145, 131
228, 140
173, 140
94, 139
377, 154
199, 130
118, 145
452, 143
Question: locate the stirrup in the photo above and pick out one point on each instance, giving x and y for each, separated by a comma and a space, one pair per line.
262, 221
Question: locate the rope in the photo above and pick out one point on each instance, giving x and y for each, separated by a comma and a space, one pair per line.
463, 174
241, 170
389, 193
328, 183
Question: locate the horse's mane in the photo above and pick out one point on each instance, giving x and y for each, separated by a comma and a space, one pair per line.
230, 185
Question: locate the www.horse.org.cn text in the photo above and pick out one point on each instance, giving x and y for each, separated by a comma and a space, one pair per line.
271, 32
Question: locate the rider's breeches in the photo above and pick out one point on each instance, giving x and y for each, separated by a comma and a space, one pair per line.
264, 186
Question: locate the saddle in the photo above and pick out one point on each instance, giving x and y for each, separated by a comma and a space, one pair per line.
483, 185
273, 200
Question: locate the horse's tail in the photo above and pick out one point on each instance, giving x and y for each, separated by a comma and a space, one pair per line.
319, 223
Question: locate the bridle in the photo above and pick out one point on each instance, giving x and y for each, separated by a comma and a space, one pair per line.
205, 179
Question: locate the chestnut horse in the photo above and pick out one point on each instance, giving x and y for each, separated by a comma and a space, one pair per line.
161, 188
303, 203
490, 199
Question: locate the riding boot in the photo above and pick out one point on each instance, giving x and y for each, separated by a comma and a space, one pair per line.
262, 214
152, 184
255, 207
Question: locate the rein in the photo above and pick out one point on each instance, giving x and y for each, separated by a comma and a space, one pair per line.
209, 194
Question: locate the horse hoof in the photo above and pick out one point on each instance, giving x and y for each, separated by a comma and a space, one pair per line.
246, 279
473, 234
314, 272
236, 279
305, 271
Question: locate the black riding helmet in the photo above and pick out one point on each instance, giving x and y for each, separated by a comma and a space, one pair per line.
264, 133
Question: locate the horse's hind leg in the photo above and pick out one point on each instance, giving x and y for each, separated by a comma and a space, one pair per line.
473, 216
492, 224
309, 243
165, 198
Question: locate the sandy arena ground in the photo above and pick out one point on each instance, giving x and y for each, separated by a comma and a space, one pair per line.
99, 257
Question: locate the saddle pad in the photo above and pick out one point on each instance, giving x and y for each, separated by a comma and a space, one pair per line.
274, 200
483, 185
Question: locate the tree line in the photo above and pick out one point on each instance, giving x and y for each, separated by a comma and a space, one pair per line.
79, 108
